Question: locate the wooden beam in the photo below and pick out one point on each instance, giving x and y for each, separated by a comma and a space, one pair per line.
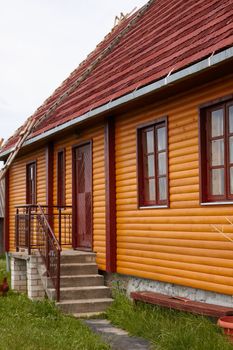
181, 304
110, 194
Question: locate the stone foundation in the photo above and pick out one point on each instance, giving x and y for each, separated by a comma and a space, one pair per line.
130, 284
25, 276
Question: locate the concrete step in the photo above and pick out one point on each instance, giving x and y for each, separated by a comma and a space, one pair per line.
80, 293
73, 256
79, 269
85, 305
81, 281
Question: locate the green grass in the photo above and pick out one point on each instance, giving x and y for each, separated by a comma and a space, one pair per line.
31, 325
166, 329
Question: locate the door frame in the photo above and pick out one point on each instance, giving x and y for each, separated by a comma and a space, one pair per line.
74, 195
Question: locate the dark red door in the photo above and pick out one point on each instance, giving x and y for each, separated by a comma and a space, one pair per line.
83, 194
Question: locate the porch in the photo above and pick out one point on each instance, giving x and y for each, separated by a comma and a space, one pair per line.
44, 229
46, 263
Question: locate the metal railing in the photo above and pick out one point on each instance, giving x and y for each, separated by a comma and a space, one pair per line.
35, 226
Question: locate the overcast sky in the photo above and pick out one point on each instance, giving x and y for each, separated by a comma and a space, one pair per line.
41, 42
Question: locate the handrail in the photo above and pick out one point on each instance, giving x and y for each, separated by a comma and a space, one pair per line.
34, 230
50, 251
49, 227
52, 245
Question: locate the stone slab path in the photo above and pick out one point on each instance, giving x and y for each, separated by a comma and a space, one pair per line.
116, 337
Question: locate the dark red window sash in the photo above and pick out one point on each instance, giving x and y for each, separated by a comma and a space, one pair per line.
143, 179
206, 161
31, 183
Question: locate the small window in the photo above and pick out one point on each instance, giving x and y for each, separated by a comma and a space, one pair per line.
152, 164
31, 183
217, 152
61, 178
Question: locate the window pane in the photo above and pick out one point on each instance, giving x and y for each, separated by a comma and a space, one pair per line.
150, 189
161, 136
231, 180
231, 149
150, 141
231, 118
151, 166
217, 181
163, 188
217, 123
217, 152
162, 163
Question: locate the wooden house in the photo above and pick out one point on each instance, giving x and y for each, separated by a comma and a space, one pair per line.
135, 160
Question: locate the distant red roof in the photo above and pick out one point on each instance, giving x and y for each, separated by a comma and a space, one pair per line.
170, 35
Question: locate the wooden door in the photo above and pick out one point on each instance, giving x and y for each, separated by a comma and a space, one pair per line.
83, 196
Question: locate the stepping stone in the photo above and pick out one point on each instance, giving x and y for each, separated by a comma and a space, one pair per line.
116, 337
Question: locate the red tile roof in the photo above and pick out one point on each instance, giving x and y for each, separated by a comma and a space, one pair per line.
170, 35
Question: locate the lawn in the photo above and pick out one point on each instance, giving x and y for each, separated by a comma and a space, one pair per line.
31, 325
167, 329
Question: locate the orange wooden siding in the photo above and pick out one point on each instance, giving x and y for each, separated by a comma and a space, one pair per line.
96, 134
17, 192
18, 184
177, 244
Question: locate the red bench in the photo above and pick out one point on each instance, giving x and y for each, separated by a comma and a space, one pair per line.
182, 304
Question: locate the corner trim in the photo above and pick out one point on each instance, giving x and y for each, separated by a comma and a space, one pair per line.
49, 180
110, 193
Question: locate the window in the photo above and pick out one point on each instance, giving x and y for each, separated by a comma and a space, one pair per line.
152, 164
217, 152
61, 178
31, 183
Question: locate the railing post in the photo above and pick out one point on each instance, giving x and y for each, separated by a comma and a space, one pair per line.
59, 219
17, 229
47, 253
29, 231
58, 275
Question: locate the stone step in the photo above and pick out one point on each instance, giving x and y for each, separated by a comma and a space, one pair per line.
80, 293
79, 269
77, 257
81, 281
85, 305
87, 314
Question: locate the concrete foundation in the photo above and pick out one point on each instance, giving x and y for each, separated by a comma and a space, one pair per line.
25, 276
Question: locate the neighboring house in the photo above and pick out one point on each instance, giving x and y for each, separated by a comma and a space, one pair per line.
2, 209
140, 153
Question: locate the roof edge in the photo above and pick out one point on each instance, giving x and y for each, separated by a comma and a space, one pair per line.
212, 60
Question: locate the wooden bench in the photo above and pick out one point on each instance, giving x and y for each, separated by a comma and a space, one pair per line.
182, 304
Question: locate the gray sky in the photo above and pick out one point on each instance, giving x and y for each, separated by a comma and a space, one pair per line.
41, 42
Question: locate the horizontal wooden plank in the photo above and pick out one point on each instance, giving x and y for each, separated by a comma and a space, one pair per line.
181, 304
